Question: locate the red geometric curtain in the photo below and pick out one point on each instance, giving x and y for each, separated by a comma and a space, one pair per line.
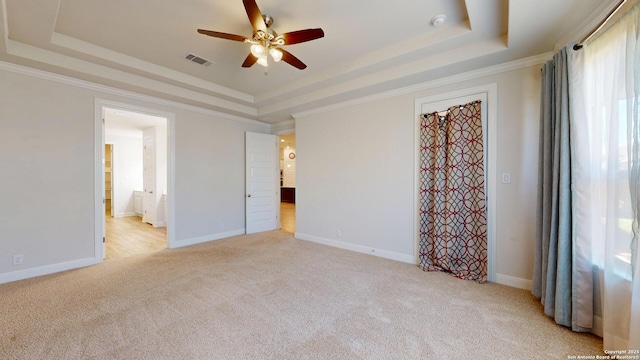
453, 218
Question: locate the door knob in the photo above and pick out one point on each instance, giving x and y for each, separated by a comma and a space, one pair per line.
249, 195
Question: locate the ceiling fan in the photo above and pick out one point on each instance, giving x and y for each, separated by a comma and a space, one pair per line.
266, 41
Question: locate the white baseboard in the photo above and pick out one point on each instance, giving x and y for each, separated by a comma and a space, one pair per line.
513, 281
206, 238
47, 269
125, 214
160, 224
358, 248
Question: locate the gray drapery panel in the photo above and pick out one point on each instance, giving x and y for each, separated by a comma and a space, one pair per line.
553, 266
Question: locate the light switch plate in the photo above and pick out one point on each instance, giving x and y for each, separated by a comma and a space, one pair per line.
506, 178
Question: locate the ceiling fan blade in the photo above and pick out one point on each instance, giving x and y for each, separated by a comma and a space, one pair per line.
289, 58
255, 16
222, 35
249, 61
299, 36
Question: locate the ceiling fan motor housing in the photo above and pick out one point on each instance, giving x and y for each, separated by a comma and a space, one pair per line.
268, 20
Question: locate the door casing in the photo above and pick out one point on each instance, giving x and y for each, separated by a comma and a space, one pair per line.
99, 141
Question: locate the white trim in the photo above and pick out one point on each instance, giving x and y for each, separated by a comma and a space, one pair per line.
99, 215
513, 281
283, 127
171, 184
106, 73
381, 55
113, 175
148, 67
46, 270
357, 248
207, 238
134, 108
125, 214
470, 75
587, 25
23, 70
490, 91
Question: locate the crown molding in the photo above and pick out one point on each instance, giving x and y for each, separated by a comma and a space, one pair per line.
587, 25
406, 70
283, 127
470, 75
66, 62
403, 47
86, 48
67, 80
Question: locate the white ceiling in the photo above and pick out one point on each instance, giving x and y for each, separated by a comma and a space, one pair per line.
128, 123
287, 140
369, 46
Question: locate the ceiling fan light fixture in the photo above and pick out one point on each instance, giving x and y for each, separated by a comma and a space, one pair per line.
276, 54
265, 41
257, 50
262, 60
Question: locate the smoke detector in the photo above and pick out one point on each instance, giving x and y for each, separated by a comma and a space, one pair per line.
438, 20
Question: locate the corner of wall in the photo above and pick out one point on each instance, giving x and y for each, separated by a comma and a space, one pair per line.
513, 282
47, 269
283, 127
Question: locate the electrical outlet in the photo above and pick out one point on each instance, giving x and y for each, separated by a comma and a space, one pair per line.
18, 259
338, 234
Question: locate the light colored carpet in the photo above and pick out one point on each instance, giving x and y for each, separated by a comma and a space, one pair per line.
270, 296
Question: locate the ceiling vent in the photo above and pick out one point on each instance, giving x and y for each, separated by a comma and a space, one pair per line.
197, 59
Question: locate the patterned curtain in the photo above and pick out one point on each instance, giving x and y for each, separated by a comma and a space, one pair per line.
453, 218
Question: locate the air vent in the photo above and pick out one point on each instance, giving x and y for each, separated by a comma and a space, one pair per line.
197, 59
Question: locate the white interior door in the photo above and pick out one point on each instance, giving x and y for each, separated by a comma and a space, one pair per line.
149, 180
262, 182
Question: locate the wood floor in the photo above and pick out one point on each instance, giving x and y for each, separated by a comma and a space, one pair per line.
129, 235
288, 217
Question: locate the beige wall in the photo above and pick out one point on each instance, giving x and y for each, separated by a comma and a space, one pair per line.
355, 174
47, 167
355, 171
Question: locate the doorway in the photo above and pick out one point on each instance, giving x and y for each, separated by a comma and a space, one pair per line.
108, 179
288, 161
488, 95
124, 187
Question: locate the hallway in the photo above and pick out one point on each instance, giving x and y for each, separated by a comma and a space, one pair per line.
288, 217
129, 235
